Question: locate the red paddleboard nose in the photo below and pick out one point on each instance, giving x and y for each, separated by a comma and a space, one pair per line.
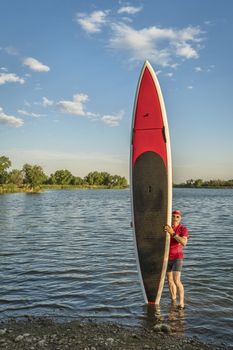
151, 302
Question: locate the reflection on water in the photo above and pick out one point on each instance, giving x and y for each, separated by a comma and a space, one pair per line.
176, 318
153, 315
173, 317
70, 254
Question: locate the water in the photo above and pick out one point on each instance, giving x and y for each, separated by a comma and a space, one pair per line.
70, 255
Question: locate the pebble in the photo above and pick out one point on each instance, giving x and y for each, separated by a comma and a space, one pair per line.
165, 328
109, 341
19, 338
162, 328
28, 339
26, 335
41, 342
3, 331
134, 335
157, 328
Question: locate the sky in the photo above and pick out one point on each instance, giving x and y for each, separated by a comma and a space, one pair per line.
69, 71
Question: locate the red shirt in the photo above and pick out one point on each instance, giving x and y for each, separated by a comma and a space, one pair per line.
176, 251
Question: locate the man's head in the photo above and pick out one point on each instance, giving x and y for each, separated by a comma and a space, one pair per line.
176, 217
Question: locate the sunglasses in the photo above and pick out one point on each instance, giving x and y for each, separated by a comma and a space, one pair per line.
176, 216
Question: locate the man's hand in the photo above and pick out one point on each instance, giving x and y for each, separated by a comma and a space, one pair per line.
169, 229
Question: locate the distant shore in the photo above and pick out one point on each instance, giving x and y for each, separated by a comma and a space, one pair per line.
201, 187
43, 333
25, 189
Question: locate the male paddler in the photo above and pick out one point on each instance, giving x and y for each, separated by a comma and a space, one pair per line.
179, 238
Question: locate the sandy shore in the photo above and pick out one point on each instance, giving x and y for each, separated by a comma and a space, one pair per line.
31, 334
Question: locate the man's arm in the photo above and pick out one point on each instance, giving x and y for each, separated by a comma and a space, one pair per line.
179, 239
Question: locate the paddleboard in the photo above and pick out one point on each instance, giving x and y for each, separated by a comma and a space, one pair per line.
151, 184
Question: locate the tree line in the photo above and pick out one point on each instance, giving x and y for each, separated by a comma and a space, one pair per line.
198, 183
33, 176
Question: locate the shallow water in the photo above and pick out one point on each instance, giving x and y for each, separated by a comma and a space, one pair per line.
70, 254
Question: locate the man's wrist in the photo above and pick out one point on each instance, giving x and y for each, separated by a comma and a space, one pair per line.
176, 237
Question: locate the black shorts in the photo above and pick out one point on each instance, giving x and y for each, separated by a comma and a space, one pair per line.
175, 265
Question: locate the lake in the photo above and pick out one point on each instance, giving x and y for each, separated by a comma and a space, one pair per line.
69, 254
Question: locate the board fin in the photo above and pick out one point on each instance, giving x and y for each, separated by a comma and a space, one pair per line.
164, 135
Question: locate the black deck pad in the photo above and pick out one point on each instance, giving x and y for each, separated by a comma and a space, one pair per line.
150, 203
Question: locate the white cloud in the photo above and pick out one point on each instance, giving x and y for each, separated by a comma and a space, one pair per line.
210, 68
131, 10
76, 107
92, 23
185, 50
46, 102
113, 120
10, 78
12, 51
198, 69
35, 65
10, 119
160, 45
4, 69
163, 46
138, 43
170, 75
190, 34
190, 87
26, 103
30, 114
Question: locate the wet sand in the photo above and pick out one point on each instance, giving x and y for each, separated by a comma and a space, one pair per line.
42, 333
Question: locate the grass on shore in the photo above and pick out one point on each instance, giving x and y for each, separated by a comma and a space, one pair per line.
11, 188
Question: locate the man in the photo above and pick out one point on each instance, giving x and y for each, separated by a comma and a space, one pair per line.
179, 238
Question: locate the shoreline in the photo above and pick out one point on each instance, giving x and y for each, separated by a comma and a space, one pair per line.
45, 333
7, 189
204, 187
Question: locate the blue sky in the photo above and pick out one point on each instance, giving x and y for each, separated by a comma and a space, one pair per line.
69, 71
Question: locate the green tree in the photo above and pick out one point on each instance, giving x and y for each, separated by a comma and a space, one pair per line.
51, 180
198, 183
190, 183
119, 181
15, 177
34, 175
63, 177
105, 178
76, 180
5, 163
229, 183
93, 178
